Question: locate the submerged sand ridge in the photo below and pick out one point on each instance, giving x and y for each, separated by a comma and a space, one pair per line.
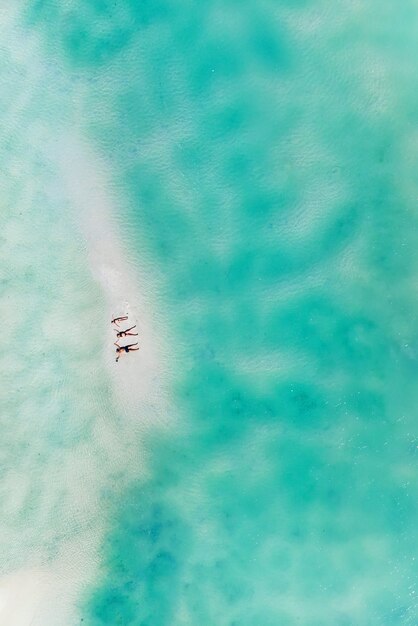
72, 418
86, 435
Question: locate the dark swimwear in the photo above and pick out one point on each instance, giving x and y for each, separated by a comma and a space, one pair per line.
126, 348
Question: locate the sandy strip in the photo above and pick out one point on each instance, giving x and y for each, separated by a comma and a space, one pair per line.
141, 378
48, 595
36, 596
21, 594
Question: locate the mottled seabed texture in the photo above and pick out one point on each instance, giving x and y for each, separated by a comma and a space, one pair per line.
260, 164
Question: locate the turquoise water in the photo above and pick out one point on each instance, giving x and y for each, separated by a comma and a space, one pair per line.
265, 156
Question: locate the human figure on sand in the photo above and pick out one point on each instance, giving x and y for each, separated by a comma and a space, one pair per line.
125, 333
116, 320
131, 347
128, 348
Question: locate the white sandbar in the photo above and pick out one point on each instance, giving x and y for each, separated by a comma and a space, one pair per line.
140, 378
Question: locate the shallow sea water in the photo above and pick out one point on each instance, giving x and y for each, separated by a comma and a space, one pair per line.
265, 160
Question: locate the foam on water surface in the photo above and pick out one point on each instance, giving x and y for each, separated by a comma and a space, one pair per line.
252, 171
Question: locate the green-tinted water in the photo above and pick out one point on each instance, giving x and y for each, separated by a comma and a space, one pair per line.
267, 154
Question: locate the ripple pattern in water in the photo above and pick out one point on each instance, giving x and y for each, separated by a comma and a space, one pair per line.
267, 155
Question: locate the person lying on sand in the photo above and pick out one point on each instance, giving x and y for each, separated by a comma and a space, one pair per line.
125, 333
127, 349
116, 320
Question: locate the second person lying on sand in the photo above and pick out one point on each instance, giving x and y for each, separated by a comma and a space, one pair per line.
125, 333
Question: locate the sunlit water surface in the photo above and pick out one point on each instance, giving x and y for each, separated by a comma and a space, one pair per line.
264, 159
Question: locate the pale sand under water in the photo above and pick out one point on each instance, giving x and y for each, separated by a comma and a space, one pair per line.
38, 594
49, 594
